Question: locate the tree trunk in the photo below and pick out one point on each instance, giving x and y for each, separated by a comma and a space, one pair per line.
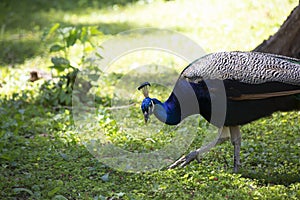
287, 39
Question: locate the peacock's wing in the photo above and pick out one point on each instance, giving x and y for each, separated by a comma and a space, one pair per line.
247, 75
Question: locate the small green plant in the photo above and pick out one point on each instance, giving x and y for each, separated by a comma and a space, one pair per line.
69, 44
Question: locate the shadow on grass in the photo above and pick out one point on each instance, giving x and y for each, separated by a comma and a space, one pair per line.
23, 23
34, 14
14, 52
271, 178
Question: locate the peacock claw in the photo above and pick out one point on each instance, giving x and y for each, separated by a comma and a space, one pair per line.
185, 160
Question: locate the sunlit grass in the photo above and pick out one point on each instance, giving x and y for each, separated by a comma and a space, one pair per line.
216, 25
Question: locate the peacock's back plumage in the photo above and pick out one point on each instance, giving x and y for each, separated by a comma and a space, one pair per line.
256, 84
245, 67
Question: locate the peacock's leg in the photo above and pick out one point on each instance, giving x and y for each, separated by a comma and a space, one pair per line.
224, 133
236, 141
224, 136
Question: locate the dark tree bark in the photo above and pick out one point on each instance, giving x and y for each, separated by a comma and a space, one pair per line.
287, 39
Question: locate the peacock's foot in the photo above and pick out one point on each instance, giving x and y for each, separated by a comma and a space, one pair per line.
185, 160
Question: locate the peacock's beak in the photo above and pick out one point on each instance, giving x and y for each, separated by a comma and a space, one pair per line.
146, 117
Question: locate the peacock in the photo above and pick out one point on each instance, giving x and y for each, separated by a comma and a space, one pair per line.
252, 84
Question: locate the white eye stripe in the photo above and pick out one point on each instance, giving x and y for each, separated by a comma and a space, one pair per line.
152, 106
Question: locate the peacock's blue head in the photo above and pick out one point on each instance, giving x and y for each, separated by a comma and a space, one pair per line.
147, 104
147, 108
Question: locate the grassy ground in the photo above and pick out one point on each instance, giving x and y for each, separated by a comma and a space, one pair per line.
41, 154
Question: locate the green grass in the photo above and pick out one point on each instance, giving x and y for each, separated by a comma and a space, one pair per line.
41, 151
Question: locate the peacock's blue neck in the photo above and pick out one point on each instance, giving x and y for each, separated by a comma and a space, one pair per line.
185, 100
169, 111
